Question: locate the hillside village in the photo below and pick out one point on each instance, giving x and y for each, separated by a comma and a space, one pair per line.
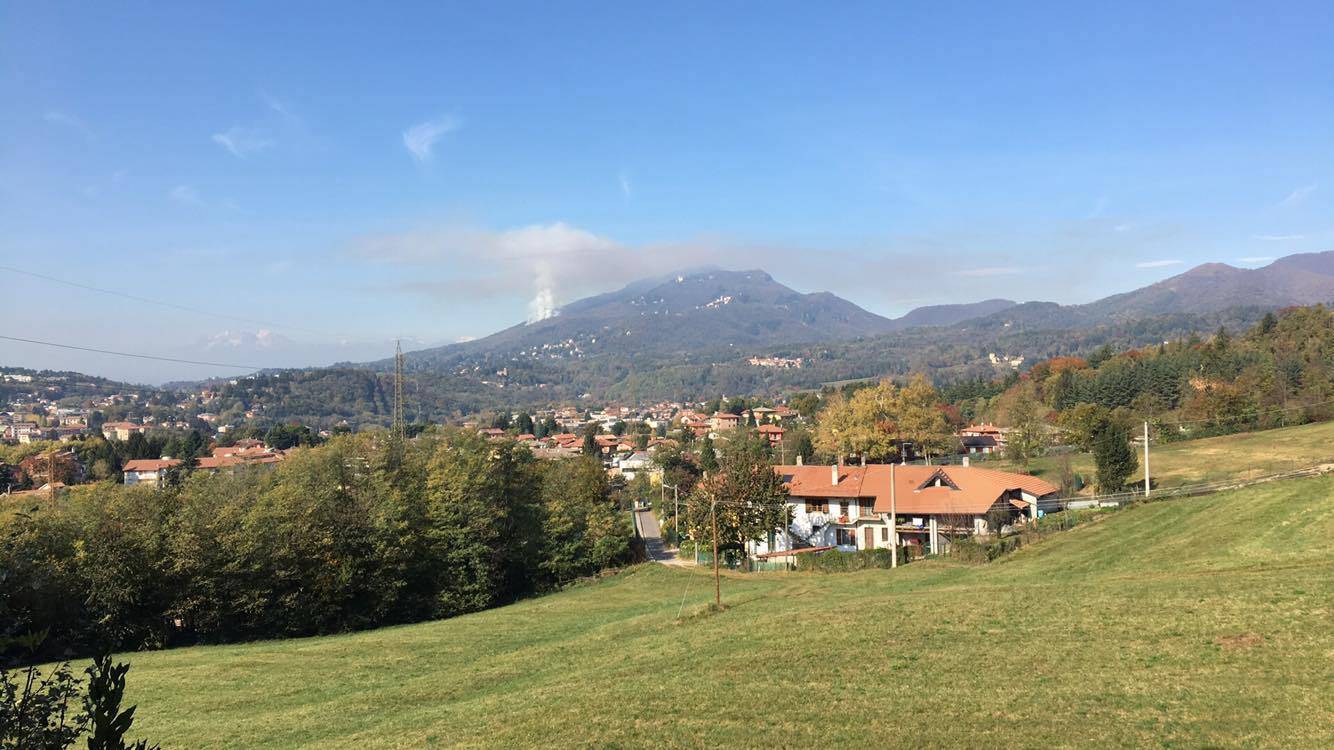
60, 431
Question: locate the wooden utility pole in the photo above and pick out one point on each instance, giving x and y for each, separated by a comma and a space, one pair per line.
1146, 458
893, 521
717, 583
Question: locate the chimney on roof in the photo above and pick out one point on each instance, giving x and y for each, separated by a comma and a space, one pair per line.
833, 472
798, 459
863, 460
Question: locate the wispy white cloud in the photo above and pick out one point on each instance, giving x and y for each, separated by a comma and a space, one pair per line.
1158, 263
627, 190
280, 108
261, 339
1099, 208
420, 139
551, 257
243, 142
1278, 237
1299, 195
988, 271
66, 120
186, 196
1255, 259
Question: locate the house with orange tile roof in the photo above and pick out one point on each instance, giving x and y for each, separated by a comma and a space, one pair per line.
849, 507
724, 421
120, 430
981, 439
148, 470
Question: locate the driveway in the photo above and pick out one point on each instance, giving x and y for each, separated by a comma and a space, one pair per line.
652, 534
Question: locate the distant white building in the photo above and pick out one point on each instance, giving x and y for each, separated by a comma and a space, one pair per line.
631, 465
148, 470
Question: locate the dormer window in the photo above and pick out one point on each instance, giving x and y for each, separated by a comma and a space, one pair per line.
938, 479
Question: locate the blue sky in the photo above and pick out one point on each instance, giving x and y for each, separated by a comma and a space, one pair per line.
346, 174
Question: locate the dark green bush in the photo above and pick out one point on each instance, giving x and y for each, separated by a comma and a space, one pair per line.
834, 561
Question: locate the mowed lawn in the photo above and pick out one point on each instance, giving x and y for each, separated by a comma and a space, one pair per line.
1200, 622
1224, 458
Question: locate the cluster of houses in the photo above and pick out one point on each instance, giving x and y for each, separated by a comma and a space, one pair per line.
245, 453
629, 453
783, 363
38, 415
769, 421
28, 423
52, 471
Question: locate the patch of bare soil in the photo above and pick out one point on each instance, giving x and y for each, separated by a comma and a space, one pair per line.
1239, 641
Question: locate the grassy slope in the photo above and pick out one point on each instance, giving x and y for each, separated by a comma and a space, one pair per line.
1203, 621
1227, 457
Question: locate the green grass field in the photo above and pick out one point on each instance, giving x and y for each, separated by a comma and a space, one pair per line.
1200, 622
1240, 456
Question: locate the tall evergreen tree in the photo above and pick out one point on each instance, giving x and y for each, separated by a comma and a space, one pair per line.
1114, 458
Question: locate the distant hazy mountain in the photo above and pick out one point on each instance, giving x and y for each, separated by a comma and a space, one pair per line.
693, 333
700, 310
1295, 280
1304, 279
944, 315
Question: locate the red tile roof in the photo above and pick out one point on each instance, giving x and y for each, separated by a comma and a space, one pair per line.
151, 464
974, 489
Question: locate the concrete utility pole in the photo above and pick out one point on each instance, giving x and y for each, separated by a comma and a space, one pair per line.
1146, 458
893, 520
676, 496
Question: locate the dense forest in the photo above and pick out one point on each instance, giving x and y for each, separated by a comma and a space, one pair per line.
360, 532
1279, 371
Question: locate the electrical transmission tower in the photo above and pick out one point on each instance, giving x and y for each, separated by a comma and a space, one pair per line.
398, 390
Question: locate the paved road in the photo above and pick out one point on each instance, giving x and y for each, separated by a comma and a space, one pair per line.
648, 528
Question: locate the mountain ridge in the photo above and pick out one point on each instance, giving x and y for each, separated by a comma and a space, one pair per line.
767, 314
761, 315
1300, 279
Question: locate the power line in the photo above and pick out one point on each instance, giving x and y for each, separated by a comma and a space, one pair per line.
161, 303
130, 354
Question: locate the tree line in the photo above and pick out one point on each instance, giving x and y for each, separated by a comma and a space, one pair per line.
363, 531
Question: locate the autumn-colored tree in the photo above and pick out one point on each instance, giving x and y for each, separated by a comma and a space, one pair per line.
865, 424
1026, 416
1081, 422
921, 420
745, 492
